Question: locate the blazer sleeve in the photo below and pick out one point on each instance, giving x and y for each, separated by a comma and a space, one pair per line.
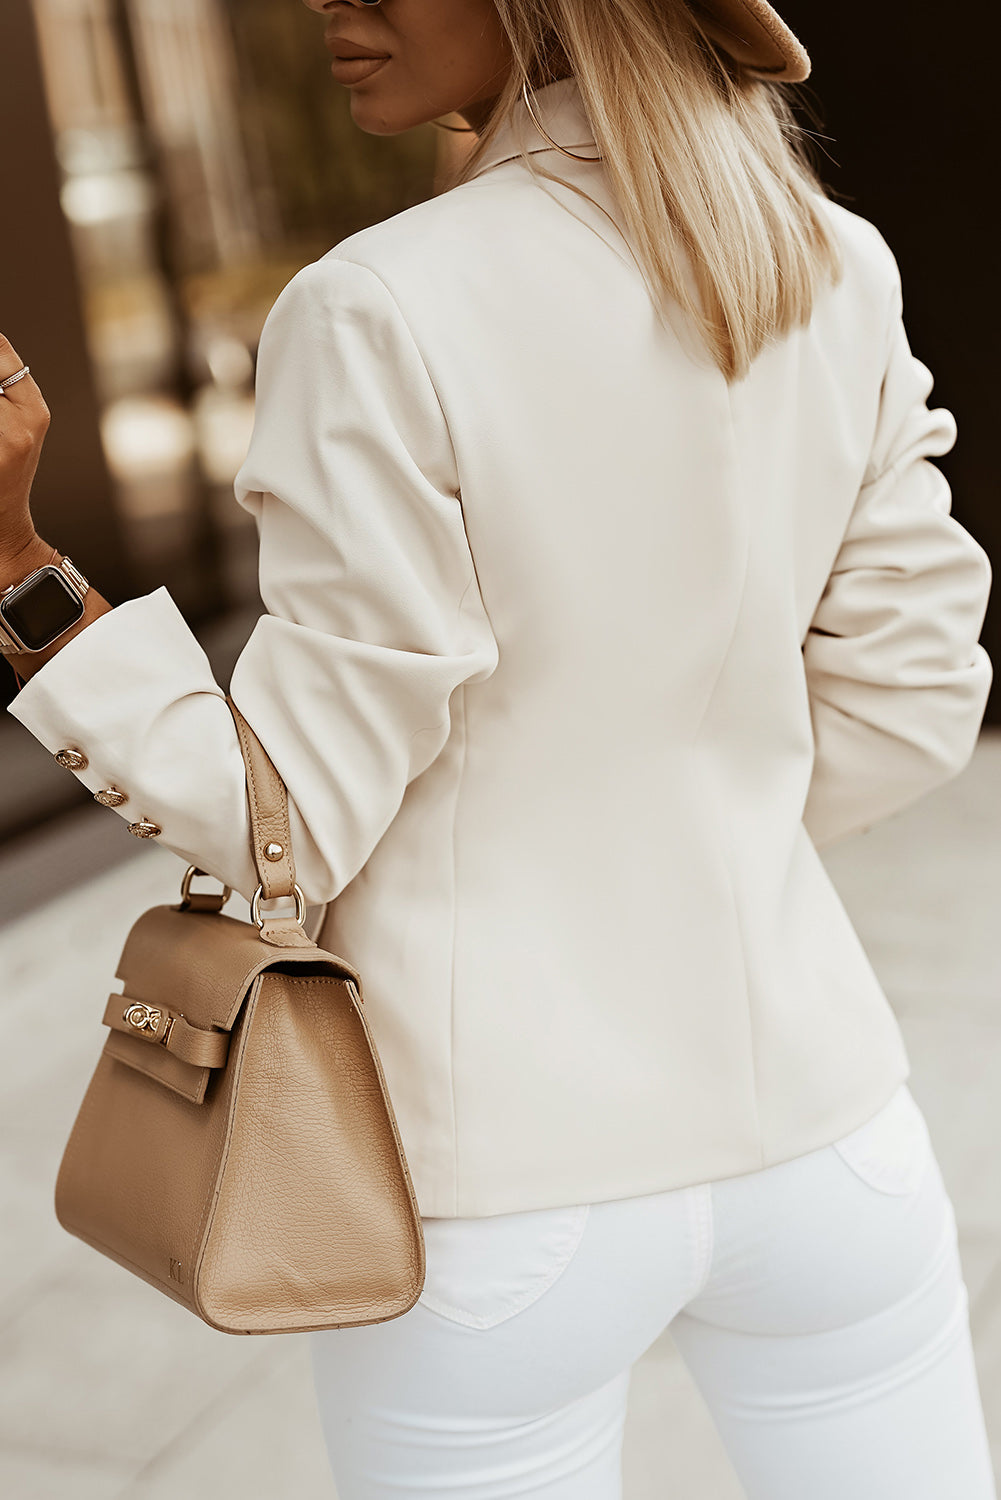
374, 615
897, 680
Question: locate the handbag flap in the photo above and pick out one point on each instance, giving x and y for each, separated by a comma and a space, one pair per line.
186, 975
200, 964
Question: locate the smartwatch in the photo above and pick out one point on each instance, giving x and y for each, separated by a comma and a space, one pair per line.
41, 608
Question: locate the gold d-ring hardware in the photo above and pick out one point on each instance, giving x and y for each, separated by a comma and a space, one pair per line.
255, 906
189, 873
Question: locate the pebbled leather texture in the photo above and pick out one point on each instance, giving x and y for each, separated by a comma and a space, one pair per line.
255, 1173
331, 1242
269, 800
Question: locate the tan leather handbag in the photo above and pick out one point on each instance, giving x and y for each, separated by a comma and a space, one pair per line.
237, 1147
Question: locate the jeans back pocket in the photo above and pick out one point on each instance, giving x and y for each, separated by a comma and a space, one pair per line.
482, 1271
891, 1151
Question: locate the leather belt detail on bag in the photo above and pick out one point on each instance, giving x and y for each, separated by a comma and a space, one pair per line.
192, 1044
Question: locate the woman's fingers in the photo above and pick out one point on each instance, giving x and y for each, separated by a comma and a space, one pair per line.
10, 362
23, 402
24, 391
7, 353
24, 421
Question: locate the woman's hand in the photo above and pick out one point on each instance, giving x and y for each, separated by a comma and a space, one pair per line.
24, 421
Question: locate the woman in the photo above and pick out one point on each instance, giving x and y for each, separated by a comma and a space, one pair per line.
607, 578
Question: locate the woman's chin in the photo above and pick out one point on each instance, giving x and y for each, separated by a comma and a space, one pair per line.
382, 116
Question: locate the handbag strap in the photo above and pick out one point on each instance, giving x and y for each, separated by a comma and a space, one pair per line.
267, 800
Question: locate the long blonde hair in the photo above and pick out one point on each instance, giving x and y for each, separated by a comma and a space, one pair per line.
705, 161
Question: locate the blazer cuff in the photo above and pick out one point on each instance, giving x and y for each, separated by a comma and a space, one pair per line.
140, 653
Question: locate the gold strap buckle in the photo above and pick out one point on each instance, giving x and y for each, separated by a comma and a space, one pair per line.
300, 906
189, 875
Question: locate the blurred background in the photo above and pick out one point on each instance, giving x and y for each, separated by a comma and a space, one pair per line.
176, 162
166, 167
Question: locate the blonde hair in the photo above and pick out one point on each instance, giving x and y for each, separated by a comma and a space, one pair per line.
705, 161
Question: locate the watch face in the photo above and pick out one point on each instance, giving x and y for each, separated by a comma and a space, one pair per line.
46, 607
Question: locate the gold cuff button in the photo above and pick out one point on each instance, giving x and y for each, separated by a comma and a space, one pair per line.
144, 829
73, 760
111, 797
273, 851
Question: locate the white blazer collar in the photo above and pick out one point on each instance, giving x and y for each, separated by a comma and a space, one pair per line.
560, 108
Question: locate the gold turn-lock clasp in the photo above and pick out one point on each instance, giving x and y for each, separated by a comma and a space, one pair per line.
147, 1019
143, 1017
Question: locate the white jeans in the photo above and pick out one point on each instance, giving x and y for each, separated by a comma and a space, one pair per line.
818, 1304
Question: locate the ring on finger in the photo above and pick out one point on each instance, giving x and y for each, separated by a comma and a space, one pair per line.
13, 379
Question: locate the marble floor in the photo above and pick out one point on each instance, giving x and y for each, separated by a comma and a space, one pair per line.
111, 1392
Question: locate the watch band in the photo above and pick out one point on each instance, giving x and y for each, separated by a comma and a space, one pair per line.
75, 576
9, 647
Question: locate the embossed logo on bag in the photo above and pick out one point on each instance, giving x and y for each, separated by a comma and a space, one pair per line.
143, 1017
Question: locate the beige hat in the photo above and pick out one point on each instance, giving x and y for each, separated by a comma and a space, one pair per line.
755, 35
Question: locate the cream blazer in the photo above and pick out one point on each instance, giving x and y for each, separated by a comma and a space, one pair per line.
573, 658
